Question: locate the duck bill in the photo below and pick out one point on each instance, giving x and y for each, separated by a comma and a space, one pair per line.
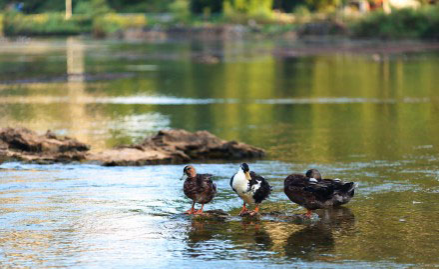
247, 175
183, 177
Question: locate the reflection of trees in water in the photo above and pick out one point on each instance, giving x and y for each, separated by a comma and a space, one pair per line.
317, 239
246, 72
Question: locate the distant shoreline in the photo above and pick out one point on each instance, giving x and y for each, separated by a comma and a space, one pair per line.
401, 24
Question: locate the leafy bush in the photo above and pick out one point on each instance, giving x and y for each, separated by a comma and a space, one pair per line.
111, 23
45, 24
403, 23
180, 10
1, 24
324, 5
201, 6
243, 11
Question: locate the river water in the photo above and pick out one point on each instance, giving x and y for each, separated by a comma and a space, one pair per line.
363, 116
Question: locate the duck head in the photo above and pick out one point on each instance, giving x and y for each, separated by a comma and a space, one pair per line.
314, 173
188, 171
244, 167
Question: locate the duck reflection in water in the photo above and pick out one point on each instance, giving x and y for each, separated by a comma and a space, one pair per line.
199, 234
234, 235
317, 242
252, 235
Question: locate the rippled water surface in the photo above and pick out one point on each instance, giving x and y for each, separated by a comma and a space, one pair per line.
369, 118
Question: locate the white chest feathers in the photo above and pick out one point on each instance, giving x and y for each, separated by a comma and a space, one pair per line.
242, 187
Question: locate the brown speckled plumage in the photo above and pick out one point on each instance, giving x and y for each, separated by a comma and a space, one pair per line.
198, 187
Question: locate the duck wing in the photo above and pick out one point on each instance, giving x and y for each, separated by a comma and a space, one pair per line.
295, 181
194, 186
231, 182
204, 177
204, 181
260, 187
343, 191
204, 189
307, 192
341, 186
322, 191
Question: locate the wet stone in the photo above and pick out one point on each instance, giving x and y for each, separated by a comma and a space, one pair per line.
166, 147
176, 146
25, 145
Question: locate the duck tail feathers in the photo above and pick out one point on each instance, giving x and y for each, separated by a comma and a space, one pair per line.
349, 187
351, 190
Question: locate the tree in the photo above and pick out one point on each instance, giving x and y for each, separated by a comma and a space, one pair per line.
202, 6
68, 9
249, 7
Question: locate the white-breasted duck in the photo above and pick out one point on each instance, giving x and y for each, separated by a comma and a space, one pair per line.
251, 187
313, 192
198, 187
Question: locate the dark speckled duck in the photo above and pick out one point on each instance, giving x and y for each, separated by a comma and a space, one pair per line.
313, 192
198, 187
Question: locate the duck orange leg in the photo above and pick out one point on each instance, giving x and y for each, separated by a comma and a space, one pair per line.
199, 211
243, 210
192, 210
256, 211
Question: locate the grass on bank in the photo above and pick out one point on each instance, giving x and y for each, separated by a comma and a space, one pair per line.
111, 23
422, 23
44, 24
17, 24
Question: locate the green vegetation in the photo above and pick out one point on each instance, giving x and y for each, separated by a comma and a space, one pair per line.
403, 23
44, 24
111, 23
55, 24
106, 17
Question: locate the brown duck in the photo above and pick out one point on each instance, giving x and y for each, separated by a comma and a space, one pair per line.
198, 187
313, 192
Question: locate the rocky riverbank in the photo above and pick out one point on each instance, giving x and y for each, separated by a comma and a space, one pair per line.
166, 147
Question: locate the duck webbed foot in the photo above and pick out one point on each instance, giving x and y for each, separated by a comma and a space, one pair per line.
250, 213
308, 214
244, 210
192, 210
255, 212
199, 211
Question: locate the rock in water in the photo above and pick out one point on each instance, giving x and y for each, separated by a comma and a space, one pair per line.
177, 146
25, 145
166, 147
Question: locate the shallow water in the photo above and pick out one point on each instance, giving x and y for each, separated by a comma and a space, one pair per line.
367, 118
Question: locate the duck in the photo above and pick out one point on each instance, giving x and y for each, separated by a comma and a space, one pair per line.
197, 187
313, 192
250, 187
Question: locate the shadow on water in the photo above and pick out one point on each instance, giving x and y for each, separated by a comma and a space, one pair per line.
253, 238
316, 240
226, 238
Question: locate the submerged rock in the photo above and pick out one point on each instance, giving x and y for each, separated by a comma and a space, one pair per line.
177, 146
25, 145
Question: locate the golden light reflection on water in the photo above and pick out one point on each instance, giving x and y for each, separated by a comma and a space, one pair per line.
354, 118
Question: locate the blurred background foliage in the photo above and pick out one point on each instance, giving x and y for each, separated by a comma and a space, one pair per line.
158, 6
102, 17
